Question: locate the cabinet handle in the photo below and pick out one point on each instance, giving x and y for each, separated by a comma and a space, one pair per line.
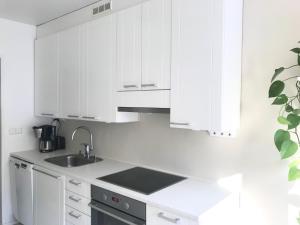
72, 116
130, 86
74, 199
74, 182
47, 114
148, 85
171, 220
74, 215
43, 172
89, 117
24, 166
180, 124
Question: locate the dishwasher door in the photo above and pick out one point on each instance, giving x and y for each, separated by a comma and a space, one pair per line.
49, 197
22, 187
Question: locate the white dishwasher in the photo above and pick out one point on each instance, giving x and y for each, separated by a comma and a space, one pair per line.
21, 179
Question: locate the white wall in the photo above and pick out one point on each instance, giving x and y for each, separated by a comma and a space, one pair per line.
271, 28
17, 54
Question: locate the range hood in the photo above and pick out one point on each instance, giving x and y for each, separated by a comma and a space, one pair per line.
144, 110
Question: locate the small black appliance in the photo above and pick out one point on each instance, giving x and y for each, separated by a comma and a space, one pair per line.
48, 137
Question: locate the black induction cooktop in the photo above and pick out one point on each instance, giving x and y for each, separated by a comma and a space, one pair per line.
142, 180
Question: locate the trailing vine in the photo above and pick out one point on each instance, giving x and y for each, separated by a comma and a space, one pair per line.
287, 139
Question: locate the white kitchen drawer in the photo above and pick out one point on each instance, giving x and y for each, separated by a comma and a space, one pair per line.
79, 187
78, 202
156, 216
77, 218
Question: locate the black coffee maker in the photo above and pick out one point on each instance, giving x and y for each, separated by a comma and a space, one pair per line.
48, 137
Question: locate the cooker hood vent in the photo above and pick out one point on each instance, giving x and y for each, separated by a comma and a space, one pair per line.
144, 110
102, 8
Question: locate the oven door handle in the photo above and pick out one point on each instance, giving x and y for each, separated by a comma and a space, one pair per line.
116, 214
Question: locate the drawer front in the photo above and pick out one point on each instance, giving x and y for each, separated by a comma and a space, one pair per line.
75, 217
78, 202
156, 216
79, 187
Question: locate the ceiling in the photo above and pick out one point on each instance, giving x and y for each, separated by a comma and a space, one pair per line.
36, 12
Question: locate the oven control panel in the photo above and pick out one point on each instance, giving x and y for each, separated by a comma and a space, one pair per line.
119, 202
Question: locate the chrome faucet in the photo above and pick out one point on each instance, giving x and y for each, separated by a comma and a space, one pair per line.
87, 147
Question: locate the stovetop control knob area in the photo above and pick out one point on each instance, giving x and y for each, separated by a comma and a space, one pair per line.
105, 197
126, 205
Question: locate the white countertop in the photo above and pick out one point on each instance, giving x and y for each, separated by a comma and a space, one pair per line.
190, 198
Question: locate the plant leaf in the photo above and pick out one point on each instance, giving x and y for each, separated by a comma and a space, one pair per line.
277, 72
296, 50
296, 111
281, 136
276, 88
294, 120
288, 148
282, 120
280, 100
294, 163
294, 173
289, 108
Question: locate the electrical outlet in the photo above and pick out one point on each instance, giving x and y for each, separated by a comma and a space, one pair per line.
15, 131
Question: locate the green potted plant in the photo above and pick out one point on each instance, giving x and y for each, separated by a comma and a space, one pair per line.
285, 92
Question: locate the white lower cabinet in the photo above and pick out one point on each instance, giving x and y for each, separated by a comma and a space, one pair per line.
78, 202
76, 217
156, 216
48, 198
78, 197
79, 187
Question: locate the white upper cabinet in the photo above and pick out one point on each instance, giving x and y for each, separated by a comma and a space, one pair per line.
129, 48
46, 76
100, 67
156, 44
179, 54
69, 71
206, 65
144, 46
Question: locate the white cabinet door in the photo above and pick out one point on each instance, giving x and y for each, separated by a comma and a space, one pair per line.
100, 67
13, 187
69, 72
48, 198
21, 188
206, 65
46, 76
156, 44
192, 66
25, 193
156, 216
129, 49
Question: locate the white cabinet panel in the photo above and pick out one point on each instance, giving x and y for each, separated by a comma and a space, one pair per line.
69, 72
192, 64
78, 202
21, 188
129, 49
46, 76
48, 198
206, 65
77, 218
101, 63
156, 216
156, 44
78, 187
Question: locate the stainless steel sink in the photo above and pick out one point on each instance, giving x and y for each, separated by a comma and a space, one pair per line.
72, 160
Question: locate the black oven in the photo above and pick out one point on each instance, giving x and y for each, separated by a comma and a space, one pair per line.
109, 208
